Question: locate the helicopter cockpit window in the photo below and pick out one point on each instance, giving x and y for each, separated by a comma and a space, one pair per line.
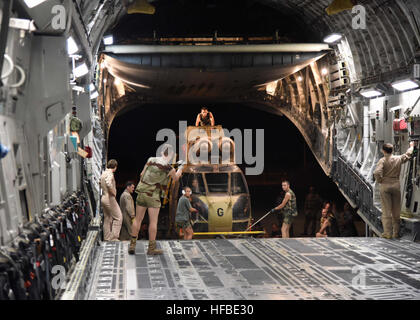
195, 182
237, 183
217, 182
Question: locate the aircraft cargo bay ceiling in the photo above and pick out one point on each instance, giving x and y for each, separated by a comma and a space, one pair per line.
222, 50
229, 55
386, 46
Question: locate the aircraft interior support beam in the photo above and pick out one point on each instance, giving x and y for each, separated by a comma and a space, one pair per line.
265, 48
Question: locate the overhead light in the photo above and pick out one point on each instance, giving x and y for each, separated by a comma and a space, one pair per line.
324, 71
109, 40
395, 108
78, 89
333, 38
23, 24
117, 81
371, 93
33, 3
299, 78
405, 85
81, 70
94, 95
72, 47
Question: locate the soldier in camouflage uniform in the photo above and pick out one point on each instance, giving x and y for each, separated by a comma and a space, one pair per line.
288, 208
153, 181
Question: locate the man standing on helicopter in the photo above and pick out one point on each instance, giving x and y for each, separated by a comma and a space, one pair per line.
204, 118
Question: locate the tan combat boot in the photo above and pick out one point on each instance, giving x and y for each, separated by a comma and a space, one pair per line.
152, 248
132, 247
387, 225
396, 229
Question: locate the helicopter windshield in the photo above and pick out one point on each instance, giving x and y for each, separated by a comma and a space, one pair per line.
237, 183
195, 182
217, 182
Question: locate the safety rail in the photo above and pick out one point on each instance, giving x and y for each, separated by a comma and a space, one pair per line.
357, 189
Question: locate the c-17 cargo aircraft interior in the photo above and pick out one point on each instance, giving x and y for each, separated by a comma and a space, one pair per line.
209, 150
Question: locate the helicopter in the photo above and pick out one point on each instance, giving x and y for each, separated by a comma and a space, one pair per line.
219, 188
